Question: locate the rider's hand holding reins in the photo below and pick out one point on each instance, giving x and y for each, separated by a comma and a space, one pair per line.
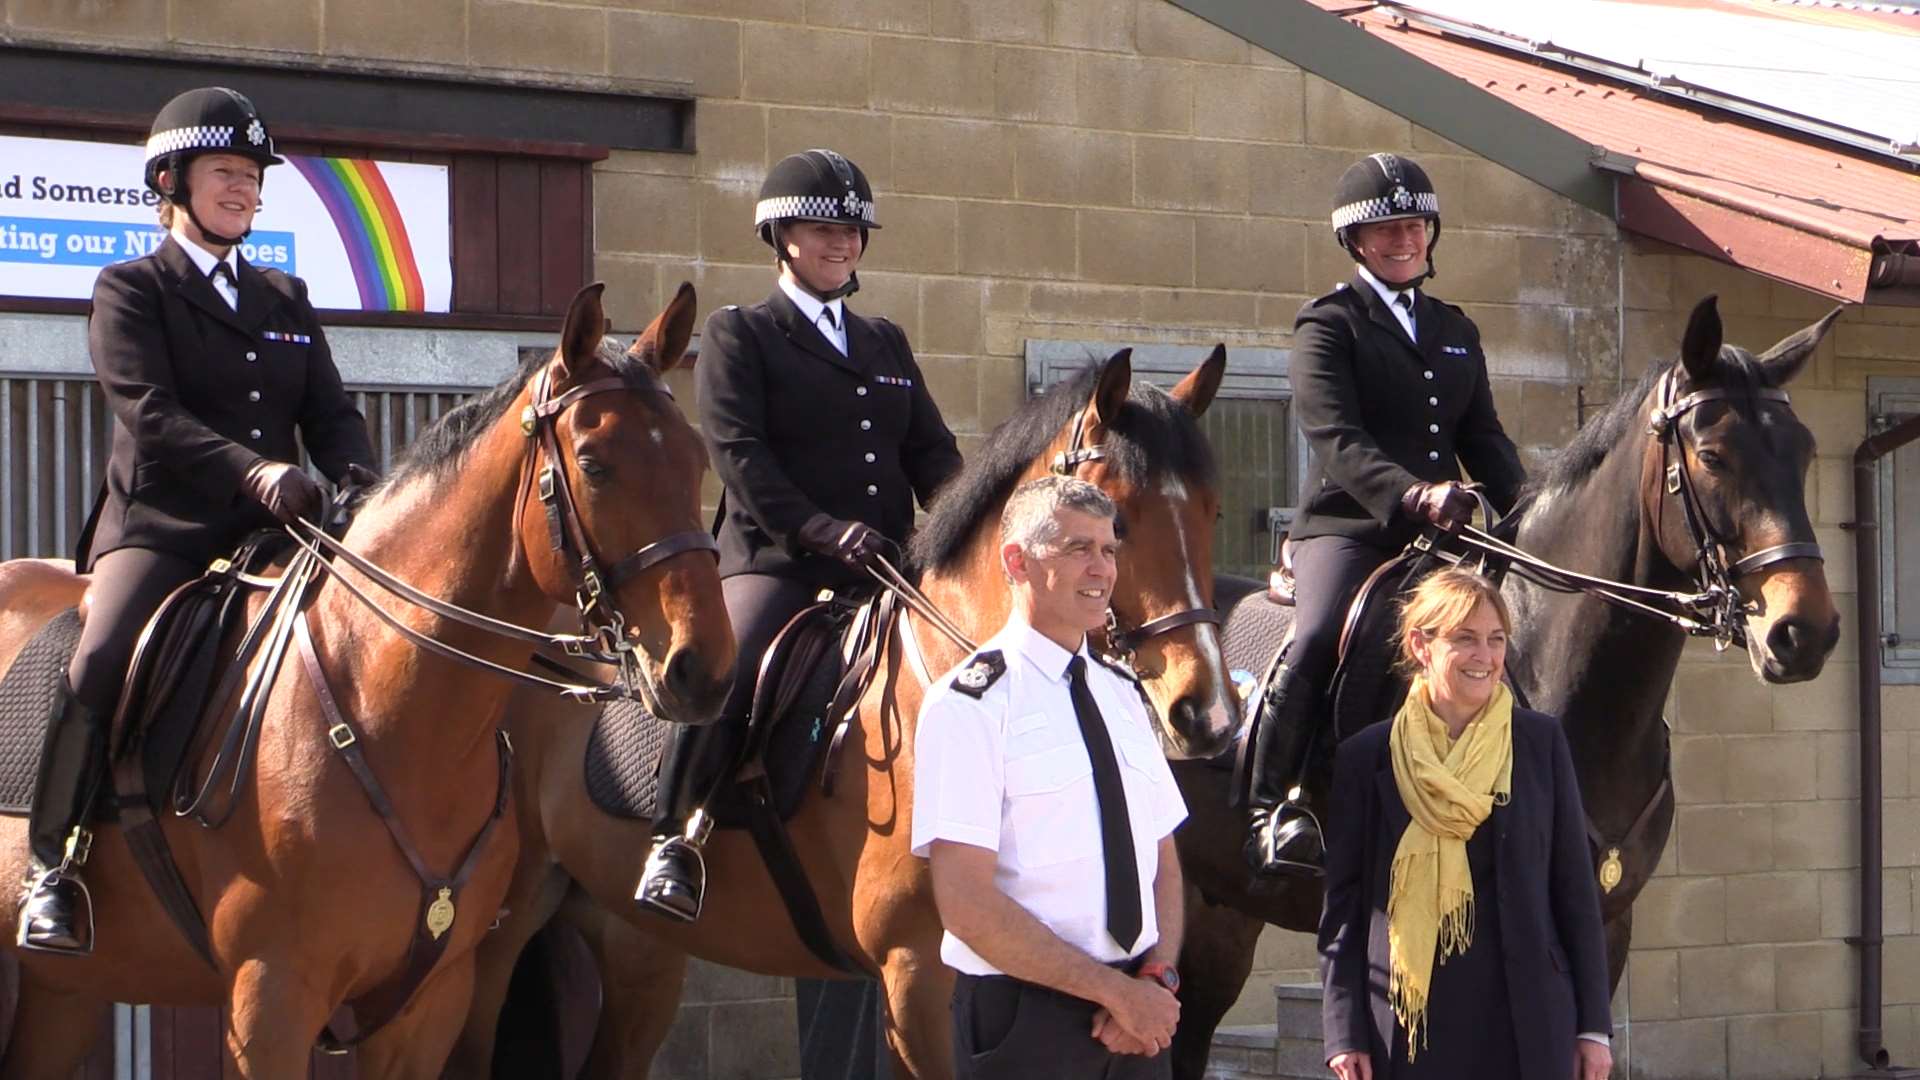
285, 490
852, 542
1446, 505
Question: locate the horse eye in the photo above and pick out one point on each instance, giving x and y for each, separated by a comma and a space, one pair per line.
591, 468
1712, 461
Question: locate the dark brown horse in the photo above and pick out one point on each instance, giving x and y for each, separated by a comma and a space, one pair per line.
1607, 506
307, 899
1154, 461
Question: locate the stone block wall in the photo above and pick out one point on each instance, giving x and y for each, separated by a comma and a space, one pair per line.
1121, 170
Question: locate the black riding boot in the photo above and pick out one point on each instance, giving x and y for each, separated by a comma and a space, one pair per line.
57, 912
674, 882
1283, 836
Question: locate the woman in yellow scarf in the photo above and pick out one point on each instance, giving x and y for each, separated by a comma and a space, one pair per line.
1461, 937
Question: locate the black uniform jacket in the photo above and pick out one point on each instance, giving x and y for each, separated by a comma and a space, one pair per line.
796, 429
202, 391
1382, 414
1555, 952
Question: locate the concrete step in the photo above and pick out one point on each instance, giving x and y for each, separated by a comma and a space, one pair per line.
1251, 1052
1297, 1010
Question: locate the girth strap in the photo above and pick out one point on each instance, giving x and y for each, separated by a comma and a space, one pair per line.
368, 1012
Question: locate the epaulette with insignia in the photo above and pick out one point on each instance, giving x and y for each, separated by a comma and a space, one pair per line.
980, 673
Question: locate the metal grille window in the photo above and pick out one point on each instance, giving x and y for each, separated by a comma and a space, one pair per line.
1891, 400
1250, 425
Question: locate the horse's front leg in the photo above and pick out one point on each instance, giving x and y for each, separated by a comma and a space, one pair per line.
52, 1030
273, 1018
919, 1013
1215, 959
415, 1044
641, 978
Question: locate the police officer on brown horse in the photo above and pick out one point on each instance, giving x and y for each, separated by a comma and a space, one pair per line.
823, 432
1391, 391
211, 366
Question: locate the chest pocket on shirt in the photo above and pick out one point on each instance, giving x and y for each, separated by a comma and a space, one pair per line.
1047, 790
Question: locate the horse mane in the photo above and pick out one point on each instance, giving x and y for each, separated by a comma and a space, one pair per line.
443, 444
1153, 435
1599, 436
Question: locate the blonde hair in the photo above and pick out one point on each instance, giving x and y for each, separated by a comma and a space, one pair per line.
1442, 604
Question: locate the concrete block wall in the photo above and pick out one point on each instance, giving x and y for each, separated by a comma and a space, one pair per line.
1121, 170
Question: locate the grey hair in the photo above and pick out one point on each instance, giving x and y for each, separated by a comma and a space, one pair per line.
1029, 518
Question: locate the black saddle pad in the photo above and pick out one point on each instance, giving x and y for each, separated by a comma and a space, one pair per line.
1252, 627
27, 694
623, 757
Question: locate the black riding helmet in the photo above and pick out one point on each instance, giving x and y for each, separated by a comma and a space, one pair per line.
814, 185
1385, 187
210, 119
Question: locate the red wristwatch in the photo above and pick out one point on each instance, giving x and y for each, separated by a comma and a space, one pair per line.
1164, 974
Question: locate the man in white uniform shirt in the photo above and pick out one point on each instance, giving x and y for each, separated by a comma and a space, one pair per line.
1046, 811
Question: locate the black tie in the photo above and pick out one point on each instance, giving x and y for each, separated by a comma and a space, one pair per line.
827, 314
1116, 831
1405, 302
222, 270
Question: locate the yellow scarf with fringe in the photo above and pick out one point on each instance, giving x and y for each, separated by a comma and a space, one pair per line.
1449, 787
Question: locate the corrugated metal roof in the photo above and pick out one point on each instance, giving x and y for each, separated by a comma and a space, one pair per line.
1712, 174
1813, 63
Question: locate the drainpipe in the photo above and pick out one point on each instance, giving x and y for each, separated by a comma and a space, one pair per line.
1866, 551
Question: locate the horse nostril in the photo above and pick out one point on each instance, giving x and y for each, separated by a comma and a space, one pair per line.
1793, 636
684, 674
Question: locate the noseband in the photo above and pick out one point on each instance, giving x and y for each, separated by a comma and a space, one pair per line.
1122, 643
1717, 574
600, 620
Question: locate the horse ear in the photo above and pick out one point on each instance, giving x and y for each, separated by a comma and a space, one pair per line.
664, 342
1782, 362
1197, 389
1111, 388
1700, 347
580, 335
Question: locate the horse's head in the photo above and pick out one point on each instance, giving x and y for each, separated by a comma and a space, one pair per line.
1739, 456
610, 512
1145, 449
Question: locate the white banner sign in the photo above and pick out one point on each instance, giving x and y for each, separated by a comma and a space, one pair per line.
366, 235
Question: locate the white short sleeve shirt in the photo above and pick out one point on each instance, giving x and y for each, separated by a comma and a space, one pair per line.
1009, 772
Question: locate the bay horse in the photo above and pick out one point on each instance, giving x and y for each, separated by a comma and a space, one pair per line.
1608, 505
308, 901
1141, 445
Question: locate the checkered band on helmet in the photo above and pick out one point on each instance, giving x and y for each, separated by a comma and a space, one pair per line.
208, 119
1382, 187
815, 185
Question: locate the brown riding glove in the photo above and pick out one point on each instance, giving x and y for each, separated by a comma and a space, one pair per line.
285, 490
1446, 505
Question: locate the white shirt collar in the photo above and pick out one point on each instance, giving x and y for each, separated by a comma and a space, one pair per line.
205, 259
810, 305
1388, 294
1040, 650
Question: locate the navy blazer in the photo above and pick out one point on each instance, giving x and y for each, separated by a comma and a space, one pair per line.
202, 391
1381, 413
1555, 950
795, 429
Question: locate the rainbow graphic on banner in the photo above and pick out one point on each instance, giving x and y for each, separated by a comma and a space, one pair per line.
370, 226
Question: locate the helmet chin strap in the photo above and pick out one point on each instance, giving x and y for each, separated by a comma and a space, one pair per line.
846, 288
184, 200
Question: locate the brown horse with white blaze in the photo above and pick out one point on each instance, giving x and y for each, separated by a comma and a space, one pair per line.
308, 901
1141, 445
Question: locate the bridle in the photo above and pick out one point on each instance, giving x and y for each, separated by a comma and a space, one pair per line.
1716, 609
603, 637
1122, 643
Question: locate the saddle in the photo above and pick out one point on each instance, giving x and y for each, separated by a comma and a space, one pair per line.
781, 746
168, 683
810, 679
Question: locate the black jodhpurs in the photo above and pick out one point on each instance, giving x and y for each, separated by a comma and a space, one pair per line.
1327, 571
128, 585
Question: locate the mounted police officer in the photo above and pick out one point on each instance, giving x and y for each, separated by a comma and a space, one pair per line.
210, 366
823, 433
1391, 391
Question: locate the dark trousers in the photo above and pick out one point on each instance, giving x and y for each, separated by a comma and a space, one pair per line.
842, 1029
128, 585
1327, 571
1006, 1029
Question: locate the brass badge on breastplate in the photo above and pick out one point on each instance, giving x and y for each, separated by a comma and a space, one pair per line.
440, 914
1610, 870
